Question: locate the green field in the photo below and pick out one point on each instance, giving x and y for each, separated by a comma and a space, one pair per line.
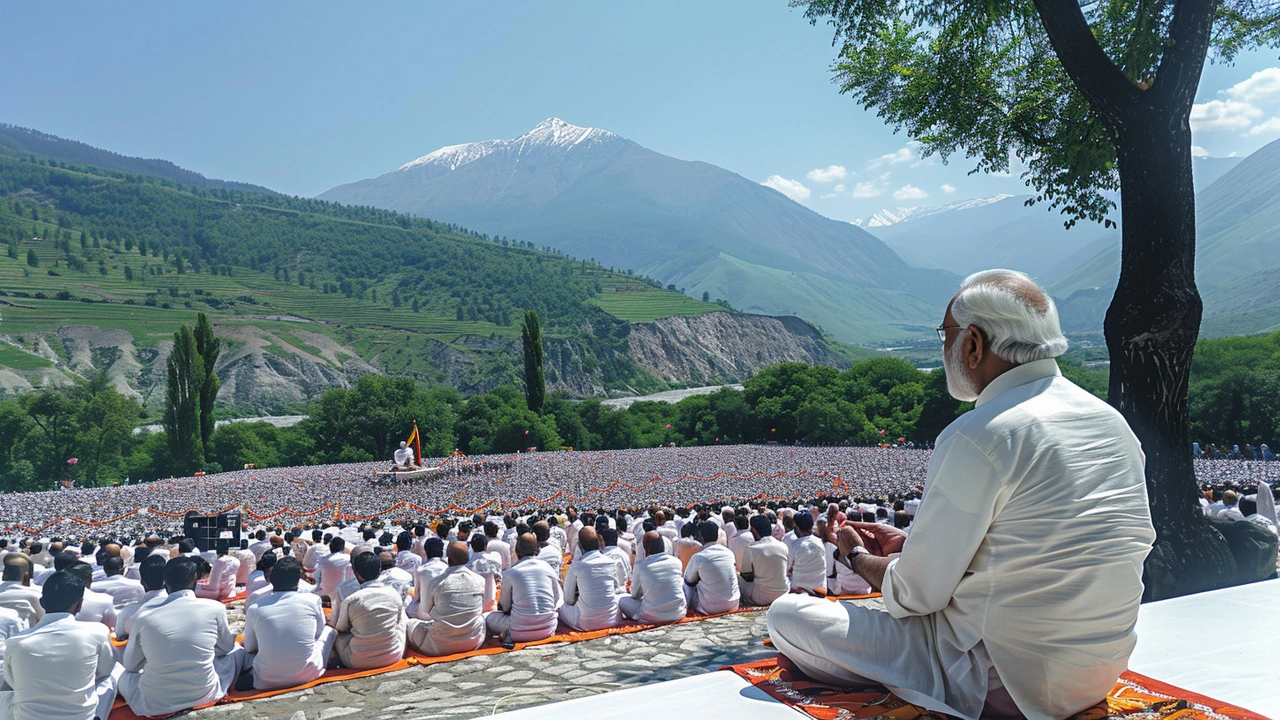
19, 360
635, 301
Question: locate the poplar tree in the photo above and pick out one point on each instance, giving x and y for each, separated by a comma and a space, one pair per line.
208, 347
182, 402
535, 384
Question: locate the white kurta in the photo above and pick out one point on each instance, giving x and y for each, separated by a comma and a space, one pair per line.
60, 669
426, 573
657, 591
591, 590
1026, 555
531, 596
222, 579
126, 614
371, 624
766, 559
454, 605
332, 571
714, 579
181, 653
287, 639
808, 565
98, 607
122, 590
488, 565
22, 599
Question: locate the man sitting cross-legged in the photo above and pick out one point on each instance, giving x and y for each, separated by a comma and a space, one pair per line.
61, 667
711, 580
286, 640
531, 596
222, 577
454, 603
764, 565
657, 585
333, 569
16, 592
426, 573
808, 564
152, 574
95, 606
122, 590
370, 621
591, 587
181, 653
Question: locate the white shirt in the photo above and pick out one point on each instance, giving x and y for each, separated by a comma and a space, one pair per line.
125, 616
739, 542
248, 565
10, 625
487, 565
716, 578
659, 585
454, 604
426, 574
807, 565
403, 456
408, 561
23, 600
374, 618
532, 595
314, 554
1030, 540
623, 559
503, 549
97, 607
552, 555
222, 578
122, 590
184, 645
285, 629
54, 668
331, 571
766, 560
591, 587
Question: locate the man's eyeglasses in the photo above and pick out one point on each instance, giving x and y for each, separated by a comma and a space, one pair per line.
942, 332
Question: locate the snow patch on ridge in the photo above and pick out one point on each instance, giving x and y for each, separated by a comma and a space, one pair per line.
893, 216
550, 133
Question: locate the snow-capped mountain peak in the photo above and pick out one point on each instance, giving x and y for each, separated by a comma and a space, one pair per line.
893, 216
552, 133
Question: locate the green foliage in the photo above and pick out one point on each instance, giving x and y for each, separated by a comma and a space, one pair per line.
208, 348
501, 422
535, 383
1235, 390
372, 418
186, 377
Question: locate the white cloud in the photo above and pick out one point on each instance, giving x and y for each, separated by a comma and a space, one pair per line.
897, 157
1223, 115
1197, 151
948, 188
831, 173
909, 192
867, 190
1260, 86
1270, 127
791, 188
838, 189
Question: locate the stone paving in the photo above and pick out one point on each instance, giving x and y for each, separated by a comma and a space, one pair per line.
477, 686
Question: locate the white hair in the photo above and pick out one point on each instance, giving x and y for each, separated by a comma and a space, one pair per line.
1017, 316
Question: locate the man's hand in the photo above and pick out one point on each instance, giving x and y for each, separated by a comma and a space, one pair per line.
880, 539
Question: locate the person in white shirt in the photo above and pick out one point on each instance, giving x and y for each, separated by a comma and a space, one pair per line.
259, 546
454, 606
432, 568
152, 574
841, 579
1230, 507
260, 578
487, 565
1019, 585
122, 590
711, 580
181, 652
248, 561
221, 584
609, 537
789, 525
10, 625
549, 551
763, 577
531, 596
16, 592
95, 606
404, 459
333, 569
657, 585
807, 566
571, 531
689, 543
741, 537
61, 667
592, 587
318, 550
393, 576
406, 559
371, 623
1249, 512
502, 547
286, 640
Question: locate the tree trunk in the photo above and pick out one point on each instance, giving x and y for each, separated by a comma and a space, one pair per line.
1151, 330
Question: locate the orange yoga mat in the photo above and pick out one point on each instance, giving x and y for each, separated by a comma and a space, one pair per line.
1134, 696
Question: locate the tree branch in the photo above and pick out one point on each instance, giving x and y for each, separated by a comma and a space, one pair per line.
1179, 74
1093, 73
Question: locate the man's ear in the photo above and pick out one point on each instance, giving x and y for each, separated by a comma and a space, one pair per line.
975, 347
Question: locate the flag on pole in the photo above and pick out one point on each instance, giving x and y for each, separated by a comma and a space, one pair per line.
415, 443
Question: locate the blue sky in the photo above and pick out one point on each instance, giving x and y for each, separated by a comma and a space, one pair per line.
304, 96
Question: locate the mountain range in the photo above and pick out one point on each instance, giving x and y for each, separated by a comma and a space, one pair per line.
691, 225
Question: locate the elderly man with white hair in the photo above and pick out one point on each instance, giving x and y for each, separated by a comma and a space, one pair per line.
1018, 587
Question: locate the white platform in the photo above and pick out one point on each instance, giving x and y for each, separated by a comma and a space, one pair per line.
1224, 644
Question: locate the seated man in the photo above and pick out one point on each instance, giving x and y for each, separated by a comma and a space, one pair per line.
657, 585
61, 668
1018, 587
711, 580
549, 551
248, 561
531, 596
843, 580
122, 590
152, 574
94, 606
432, 568
333, 569
689, 543
592, 586
286, 640
406, 559
16, 592
454, 604
807, 566
370, 621
393, 576
404, 459
181, 652
764, 565
609, 537
487, 565
222, 577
